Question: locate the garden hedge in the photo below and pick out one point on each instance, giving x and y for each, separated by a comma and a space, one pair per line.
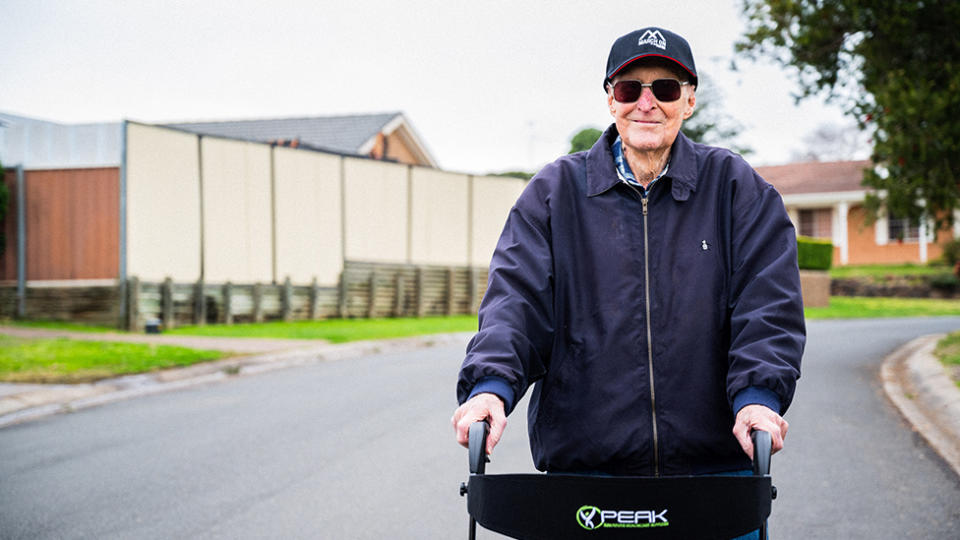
814, 253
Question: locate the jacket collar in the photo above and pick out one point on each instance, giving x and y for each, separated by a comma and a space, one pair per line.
602, 172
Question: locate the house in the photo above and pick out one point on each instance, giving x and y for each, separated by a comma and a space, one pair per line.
387, 136
97, 207
74, 179
825, 200
41, 144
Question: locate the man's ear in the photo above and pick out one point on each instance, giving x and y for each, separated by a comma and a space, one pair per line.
610, 102
691, 103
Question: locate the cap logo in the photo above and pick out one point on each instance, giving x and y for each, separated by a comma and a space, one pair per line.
653, 37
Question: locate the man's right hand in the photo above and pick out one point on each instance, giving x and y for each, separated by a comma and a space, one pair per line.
483, 406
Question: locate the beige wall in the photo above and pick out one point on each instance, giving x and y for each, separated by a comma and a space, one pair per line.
493, 197
307, 187
439, 220
236, 211
325, 208
163, 204
375, 210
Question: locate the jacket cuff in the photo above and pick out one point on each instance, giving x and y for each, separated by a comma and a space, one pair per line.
756, 395
495, 385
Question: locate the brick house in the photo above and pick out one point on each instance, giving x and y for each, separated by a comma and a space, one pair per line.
825, 200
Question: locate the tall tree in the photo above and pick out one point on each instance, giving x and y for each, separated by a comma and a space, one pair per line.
709, 123
832, 142
584, 139
895, 66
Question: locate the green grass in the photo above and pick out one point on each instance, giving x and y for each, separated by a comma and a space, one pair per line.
57, 325
884, 270
66, 361
948, 351
337, 330
854, 307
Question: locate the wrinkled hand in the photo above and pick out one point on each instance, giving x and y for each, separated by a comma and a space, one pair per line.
753, 417
483, 406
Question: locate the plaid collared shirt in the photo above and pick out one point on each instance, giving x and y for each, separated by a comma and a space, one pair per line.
624, 172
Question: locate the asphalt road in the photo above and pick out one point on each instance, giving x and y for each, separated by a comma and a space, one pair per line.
362, 448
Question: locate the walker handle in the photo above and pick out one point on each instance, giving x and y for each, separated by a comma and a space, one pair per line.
478, 447
762, 444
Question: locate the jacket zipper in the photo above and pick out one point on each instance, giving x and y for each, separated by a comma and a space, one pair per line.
646, 275
653, 394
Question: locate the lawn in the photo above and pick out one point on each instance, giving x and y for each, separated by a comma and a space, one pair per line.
948, 351
881, 271
65, 361
57, 325
337, 330
855, 307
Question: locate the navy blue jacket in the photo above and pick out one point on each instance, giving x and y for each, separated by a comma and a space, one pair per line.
645, 321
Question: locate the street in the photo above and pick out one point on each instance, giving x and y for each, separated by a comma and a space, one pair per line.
363, 448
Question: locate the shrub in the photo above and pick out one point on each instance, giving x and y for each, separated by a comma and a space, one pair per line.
951, 252
945, 282
814, 253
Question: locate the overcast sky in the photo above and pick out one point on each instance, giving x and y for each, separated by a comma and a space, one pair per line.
489, 86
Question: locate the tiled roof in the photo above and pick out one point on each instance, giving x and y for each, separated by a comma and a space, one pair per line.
816, 177
344, 134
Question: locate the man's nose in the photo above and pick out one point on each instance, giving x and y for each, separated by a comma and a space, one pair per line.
646, 101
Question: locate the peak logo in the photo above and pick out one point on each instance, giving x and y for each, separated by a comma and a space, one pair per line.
592, 517
653, 37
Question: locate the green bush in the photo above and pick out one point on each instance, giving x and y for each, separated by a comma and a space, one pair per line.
814, 253
945, 282
951, 252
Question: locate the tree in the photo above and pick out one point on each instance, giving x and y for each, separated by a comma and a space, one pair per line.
709, 124
895, 67
832, 142
523, 175
584, 139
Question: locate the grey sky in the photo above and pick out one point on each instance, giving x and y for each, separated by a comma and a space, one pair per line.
490, 86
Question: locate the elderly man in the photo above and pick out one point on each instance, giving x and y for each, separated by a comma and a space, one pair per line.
648, 286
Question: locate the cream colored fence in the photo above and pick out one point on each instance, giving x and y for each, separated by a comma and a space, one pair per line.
224, 211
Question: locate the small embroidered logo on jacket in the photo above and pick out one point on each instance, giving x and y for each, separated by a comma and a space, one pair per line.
653, 37
704, 245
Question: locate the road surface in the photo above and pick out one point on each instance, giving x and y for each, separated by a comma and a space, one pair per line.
362, 448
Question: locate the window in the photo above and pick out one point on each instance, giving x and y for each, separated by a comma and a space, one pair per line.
901, 229
816, 222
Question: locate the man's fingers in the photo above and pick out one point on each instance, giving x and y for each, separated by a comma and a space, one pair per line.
498, 422
480, 407
758, 417
742, 433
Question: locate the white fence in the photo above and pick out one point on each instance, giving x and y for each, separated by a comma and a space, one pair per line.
221, 210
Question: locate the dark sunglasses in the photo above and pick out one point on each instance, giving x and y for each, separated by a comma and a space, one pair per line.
663, 89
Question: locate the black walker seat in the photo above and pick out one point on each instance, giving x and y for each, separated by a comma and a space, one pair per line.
552, 506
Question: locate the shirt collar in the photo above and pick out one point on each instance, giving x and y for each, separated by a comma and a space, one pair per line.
623, 168
602, 172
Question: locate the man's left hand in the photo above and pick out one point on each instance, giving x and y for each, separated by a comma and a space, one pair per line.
753, 417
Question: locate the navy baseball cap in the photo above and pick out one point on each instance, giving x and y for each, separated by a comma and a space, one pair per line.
646, 43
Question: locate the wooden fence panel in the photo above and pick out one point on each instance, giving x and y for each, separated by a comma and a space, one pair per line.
8, 260
423, 290
72, 222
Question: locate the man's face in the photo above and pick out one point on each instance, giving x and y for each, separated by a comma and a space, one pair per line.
649, 125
